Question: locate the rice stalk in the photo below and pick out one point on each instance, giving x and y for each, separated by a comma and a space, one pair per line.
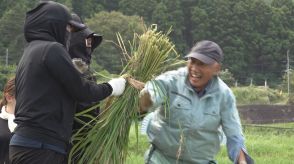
107, 141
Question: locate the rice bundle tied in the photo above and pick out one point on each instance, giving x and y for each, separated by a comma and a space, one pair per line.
106, 141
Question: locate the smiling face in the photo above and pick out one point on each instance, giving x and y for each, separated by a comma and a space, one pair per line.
200, 73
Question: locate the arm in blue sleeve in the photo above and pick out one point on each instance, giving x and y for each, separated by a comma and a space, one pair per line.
231, 125
157, 91
235, 144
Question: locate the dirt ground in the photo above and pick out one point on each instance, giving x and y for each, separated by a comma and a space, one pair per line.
263, 114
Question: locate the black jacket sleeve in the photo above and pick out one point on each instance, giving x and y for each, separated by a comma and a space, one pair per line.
59, 64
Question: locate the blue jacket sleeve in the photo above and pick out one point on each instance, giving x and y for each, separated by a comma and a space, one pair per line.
234, 145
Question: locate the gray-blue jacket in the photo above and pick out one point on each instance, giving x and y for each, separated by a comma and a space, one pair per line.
186, 127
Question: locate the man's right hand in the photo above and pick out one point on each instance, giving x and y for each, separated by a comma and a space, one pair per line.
135, 83
144, 100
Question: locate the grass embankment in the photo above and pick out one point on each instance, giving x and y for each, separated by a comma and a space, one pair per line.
259, 95
265, 146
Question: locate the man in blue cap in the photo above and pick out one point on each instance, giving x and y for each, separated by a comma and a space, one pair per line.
190, 105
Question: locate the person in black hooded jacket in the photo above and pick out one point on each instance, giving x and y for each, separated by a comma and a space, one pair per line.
48, 87
82, 44
83, 41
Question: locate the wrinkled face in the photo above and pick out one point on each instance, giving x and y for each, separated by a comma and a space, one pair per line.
200, 73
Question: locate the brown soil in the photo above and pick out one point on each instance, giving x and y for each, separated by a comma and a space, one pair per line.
262, 114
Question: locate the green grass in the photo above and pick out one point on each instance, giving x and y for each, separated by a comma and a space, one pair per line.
136, 151
264, 146
283, 125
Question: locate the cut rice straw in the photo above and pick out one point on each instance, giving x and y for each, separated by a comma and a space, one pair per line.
107, 141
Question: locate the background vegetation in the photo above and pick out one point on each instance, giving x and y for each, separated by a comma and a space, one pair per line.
254, 34
264, 145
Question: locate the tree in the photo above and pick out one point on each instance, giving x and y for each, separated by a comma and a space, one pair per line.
255, 35
6, 72
141, 8
285, 84
227, 77
87, 8
168, 14
11, 29
108, 55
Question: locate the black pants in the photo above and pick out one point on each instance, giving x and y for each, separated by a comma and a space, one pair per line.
26, 155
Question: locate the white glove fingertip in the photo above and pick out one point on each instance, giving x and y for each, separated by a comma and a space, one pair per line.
118, 86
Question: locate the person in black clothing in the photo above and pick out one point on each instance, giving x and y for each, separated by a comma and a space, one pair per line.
82, 44
7, 106
48, 87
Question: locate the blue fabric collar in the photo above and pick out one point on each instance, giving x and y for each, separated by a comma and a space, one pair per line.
203, 91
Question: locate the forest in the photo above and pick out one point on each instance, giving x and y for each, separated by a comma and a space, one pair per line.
256, 35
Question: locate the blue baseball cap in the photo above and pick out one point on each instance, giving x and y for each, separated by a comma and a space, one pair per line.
206, 51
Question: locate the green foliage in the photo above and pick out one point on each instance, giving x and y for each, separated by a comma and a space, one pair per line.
100, 73
258, 95
141, 8
227, 77
136, 151
168, 14
84, 8
11, 27
4, 6
6, 72
284, 85
254, 34
108, 54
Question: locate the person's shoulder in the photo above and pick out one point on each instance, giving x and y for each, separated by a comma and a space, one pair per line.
56, 45
55, 48
171, 77
222, 86
179, 72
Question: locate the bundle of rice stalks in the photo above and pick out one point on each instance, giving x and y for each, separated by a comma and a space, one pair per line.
106, 141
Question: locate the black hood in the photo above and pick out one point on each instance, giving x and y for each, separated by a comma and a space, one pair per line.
47, 21
78, 49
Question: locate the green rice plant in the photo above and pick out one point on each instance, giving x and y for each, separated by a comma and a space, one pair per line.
105, 139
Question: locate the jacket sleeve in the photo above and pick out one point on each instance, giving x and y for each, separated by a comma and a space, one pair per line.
59, 64
234, 145
157, 91
233, 130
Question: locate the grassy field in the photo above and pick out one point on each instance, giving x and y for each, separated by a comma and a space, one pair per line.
266, 146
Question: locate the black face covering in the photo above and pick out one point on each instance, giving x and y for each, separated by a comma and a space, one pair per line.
77, 47
89, 51
67, 39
